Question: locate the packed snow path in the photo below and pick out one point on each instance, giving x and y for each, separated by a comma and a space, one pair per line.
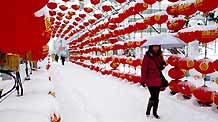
87, 96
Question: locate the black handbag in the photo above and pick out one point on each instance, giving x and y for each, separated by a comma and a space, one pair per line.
164, 82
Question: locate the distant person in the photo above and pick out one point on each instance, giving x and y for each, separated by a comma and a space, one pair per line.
62, 60
56, 58
153, 64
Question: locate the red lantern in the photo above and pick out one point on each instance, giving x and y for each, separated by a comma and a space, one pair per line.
106, 8
97, 16
52, 13
205, 5
204, 66
173, 0
114, 65
175, 25
95, 2
149, 21
172, 10
173, 85
63, 7
112, 26
173, 60
203, 95
186, 9
159, 19
92, 21
176, 73
129, 61
215, 98
88, 9
71, 13
186, 63
75, 7
215, 64
187, 36
137, 62
141, 26
52, 5
121, 1
186, 88
113, 40
207, 36
150, 1
77, 19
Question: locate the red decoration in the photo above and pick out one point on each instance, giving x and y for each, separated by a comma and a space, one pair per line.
176, 73
97, 16
203, 94
173, 60
215, 64
187, 36
205, 5
186, 63
175, 25
75, 7
88, 9
204, 66
63, 7
82, 15
215, 98
186, 88
173, 85
173, 0
114, 65
52, 5
52, 13
95, 2
121, 1
207, 36
150, 1
106, 8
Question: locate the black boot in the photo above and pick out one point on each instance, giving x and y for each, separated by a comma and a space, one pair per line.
149, 106
155, 107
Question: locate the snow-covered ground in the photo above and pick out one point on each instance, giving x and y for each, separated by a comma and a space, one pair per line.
35, 106
87, 96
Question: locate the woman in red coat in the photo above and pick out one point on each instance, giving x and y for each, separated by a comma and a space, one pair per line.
153, 63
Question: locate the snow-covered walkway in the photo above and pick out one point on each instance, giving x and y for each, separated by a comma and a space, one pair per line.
86, 96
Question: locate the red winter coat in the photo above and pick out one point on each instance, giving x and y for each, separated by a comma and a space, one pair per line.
150, 74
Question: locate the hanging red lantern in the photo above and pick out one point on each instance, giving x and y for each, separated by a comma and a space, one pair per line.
186, 9
97, 16
176, 25
137, 62
172, 10
187, 36
139, 7
159, 19
173, 85
92, 21
88, 9
149, 21
121, 1
52, 5
129, 61
186, 89
75, 23
176, 73
71, 13
112, 26
207, 36
106, 8
203, 95
173, 0
77, 19
215, 98
60, 14
173, 60
114, 65
52, 13
205, 5
150, 1
63, 7
186, 63
113, 40
82, 15
75, 7
95, 2
215, 64
204, 66
141, 26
